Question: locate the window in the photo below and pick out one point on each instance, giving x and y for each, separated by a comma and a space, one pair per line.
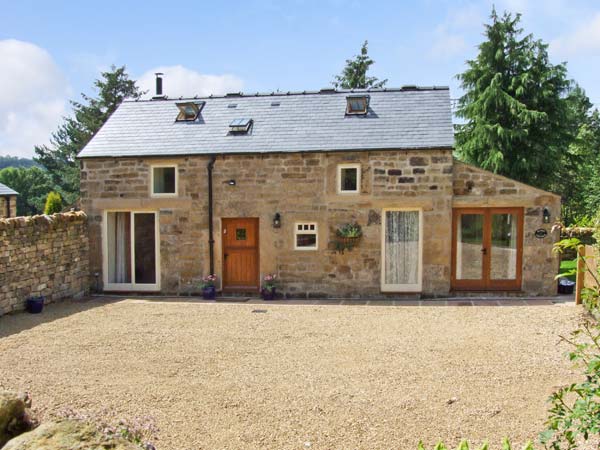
131, 257
164, 181
357, 104
188, 111
348, 179
305, 236
240, 126
402, 249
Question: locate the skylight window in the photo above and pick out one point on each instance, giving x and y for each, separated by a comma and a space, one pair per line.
357, 104
240, 125
188, 111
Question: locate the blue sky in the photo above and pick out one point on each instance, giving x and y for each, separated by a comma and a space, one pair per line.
52, 51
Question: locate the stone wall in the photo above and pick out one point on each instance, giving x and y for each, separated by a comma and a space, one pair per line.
474, 187
42, 255
12, 206
302, 188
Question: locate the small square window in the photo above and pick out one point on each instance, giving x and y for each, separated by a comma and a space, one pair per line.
348, 178
189, 111
164, 180
240, 234
306, 236
357, 104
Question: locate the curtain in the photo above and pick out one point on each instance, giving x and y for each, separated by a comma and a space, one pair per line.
401, 247
119, 249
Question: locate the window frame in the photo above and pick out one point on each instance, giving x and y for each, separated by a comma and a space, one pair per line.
164, 194
133, 286
341, 167
181, 116
362, 112
305, 232
400, 288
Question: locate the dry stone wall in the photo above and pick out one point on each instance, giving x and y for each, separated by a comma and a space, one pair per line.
8, 206
43, 255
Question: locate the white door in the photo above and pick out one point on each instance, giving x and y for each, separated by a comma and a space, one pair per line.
131, 251
402, 250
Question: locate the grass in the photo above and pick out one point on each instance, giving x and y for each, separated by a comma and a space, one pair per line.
567, 266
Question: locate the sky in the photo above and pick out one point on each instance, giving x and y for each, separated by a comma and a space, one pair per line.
51, 52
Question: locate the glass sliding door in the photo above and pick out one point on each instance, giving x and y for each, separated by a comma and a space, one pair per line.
131, 251
401, 268
487, 248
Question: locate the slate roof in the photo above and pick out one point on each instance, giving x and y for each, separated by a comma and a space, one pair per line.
5, 190
404, 118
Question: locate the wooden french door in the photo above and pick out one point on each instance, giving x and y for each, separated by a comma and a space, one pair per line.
487, 248
240, 254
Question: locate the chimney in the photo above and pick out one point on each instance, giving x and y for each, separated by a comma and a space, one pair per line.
159, 86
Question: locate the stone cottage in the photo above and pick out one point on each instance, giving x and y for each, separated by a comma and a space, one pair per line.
246, 185
8, 202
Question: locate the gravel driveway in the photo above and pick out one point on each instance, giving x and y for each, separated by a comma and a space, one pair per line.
298, 376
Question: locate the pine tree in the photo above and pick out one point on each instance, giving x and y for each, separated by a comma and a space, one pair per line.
354, 75
514, 107
59, 159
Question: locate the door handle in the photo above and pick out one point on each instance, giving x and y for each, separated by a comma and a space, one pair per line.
484, 251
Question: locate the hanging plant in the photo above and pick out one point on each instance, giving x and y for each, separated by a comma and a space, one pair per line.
347, 236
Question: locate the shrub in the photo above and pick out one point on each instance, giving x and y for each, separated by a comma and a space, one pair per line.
575, 411
464, 445
53, 203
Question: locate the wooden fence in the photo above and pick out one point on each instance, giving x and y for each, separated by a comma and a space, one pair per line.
587, 264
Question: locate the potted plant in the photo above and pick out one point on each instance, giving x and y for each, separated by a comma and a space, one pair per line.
348, 236
34, 305
268, 289
209, 290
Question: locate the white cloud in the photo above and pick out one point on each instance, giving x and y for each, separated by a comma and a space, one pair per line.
179, 81
585, 38
449, 37
33, 93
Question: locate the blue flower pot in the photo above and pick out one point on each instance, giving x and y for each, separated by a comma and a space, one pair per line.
268, 294
34, 305
209, 293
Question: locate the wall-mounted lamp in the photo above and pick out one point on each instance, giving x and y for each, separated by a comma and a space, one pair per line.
546, 215
231, 182
277, 220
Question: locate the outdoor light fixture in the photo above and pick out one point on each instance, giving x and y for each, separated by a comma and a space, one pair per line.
546, 215
277, 220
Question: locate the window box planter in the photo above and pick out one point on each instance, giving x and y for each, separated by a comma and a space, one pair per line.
347, 237
34, 305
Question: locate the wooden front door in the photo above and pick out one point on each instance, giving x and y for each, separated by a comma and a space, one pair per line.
240, 254
487, 248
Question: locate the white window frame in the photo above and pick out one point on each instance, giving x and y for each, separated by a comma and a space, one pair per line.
416, 287
166, 194
340, 167
300, 232
130, 286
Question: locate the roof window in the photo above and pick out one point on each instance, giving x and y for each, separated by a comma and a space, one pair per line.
240, 126
188, 111
357, 104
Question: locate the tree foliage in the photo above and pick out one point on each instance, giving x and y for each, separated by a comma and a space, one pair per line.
59, 158
32, 184
53, 203
354, 75
15, 161
524, 118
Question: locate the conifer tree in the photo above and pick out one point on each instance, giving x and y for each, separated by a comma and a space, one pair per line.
515, 112
354, 75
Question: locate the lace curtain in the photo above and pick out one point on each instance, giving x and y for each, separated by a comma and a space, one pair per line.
401, 247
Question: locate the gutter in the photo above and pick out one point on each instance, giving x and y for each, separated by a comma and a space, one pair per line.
211, 241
